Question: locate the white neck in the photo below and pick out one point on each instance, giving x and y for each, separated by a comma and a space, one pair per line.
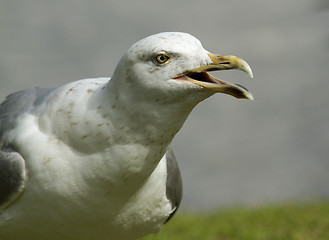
121, 130
147, 117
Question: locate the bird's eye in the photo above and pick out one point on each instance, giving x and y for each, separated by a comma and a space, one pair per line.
161, 58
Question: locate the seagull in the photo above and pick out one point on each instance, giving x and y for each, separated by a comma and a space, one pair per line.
92, 159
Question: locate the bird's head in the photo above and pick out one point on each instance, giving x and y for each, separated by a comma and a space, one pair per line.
176, 64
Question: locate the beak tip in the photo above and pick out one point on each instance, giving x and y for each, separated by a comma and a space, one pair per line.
250, 74
247, 69
248, 95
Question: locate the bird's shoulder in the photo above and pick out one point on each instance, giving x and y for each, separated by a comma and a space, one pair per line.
18, 104
28, 101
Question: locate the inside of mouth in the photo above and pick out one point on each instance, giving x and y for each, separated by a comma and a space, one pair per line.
205, 77
202, 77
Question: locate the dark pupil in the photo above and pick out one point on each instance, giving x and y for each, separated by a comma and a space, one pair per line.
162, 58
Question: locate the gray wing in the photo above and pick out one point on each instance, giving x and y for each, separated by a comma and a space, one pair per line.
12, 177
16, 104
174, 188
12, 164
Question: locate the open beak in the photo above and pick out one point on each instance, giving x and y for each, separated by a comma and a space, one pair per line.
201, 77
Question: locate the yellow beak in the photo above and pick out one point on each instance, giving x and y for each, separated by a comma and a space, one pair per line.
200, 76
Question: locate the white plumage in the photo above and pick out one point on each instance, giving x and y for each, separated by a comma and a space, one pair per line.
91, 159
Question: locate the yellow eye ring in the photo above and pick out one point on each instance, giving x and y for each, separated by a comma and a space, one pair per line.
162, 58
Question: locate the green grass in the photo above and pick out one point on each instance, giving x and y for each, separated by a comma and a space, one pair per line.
288, 222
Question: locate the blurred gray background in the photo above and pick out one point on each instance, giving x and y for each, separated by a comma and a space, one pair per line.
270, 150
